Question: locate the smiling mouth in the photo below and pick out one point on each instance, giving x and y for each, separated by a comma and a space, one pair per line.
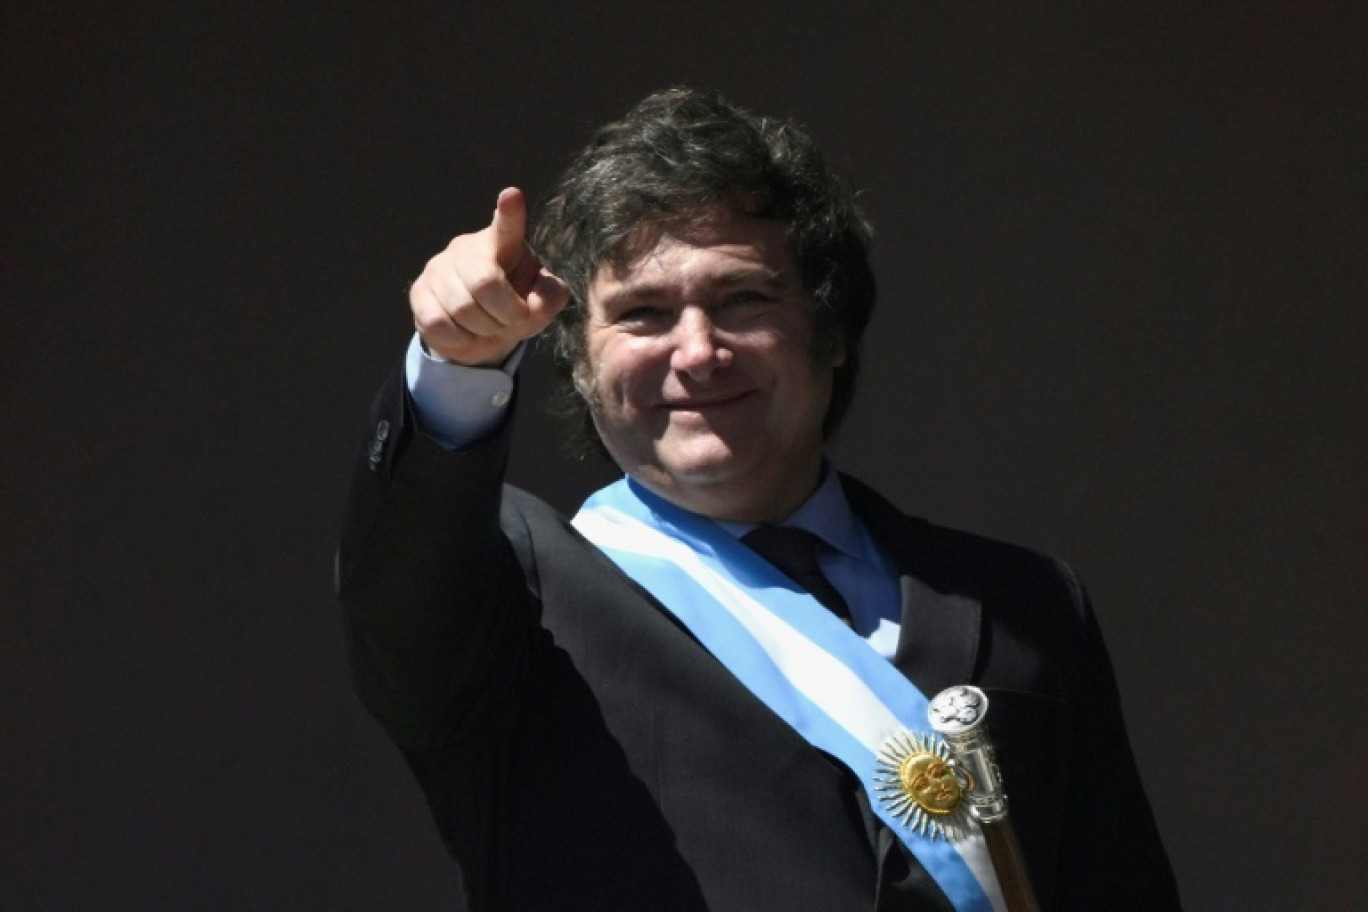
703, 405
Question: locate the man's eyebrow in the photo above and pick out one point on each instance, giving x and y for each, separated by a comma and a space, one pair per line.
633, 294
747, 274
743, 275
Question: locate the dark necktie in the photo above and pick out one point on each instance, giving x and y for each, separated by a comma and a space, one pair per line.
794, 551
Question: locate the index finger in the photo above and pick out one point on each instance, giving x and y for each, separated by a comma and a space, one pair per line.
509, 228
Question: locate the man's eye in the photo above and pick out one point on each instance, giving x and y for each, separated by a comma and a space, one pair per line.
747, 296
641, 314
745, 302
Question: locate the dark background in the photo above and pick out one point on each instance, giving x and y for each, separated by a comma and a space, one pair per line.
1122, 320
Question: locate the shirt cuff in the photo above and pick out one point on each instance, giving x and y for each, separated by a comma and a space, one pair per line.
457, 405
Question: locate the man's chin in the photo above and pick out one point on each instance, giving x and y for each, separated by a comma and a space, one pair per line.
695, 469
702, 459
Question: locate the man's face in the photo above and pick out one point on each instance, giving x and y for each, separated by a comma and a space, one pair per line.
699, 370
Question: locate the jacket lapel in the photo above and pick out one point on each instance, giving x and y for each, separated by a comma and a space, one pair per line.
941, 627
938, 646
938, 643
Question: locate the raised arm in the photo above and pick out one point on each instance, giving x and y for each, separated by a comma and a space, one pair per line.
432, 590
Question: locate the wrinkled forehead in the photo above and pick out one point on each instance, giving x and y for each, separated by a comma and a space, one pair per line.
718, 225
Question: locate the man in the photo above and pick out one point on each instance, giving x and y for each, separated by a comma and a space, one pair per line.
639, 711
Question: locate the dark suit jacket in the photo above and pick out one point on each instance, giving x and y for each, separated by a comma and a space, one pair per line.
581, 751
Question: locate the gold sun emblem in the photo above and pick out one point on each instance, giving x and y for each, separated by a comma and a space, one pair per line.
921, 785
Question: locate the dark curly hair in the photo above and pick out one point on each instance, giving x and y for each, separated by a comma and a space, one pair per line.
672, 160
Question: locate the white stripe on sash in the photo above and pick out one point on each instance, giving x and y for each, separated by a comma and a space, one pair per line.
791, 652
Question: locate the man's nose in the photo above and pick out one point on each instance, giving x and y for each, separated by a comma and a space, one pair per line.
698, 350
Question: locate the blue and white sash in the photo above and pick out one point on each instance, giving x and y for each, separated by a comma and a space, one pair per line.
786, 648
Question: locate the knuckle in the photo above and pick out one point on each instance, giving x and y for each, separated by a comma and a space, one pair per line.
429, 322
484, 278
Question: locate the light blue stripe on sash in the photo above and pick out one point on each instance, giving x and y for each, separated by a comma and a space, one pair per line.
791, 652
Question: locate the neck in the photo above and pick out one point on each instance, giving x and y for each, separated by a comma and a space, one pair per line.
740, 501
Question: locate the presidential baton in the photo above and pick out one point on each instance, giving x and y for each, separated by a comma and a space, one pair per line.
957, 714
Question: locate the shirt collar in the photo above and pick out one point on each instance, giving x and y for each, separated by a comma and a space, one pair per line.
826, 514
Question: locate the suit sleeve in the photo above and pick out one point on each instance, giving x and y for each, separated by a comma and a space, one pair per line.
434, 598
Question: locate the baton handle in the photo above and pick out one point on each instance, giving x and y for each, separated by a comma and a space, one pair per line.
958, 715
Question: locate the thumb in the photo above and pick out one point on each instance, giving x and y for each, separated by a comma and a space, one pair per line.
546, 298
